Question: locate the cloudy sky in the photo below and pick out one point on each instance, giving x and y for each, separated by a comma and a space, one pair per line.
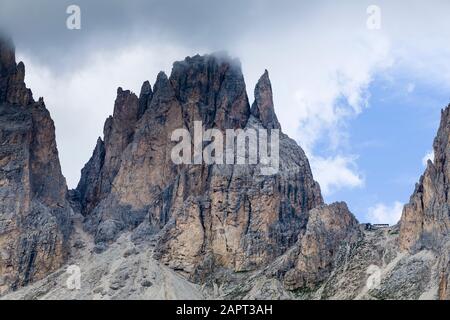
363, 102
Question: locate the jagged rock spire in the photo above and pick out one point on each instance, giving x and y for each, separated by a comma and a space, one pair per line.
98, 174
12, 76
163, 89
263, 107
144, 98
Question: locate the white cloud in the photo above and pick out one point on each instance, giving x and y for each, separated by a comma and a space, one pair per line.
316, 89
335, 173
322, 72
382, 213
428, 156
321, 75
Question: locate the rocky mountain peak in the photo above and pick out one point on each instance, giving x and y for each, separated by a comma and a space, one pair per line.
230, 216
145, 98
211, 88
34, 211
125, 105
441, 145
263, 107
146, 89
163, 89
12, 76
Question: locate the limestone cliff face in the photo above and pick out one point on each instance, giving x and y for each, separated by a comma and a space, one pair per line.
99, 173
206, 216
34, 212
330, 229
425, 222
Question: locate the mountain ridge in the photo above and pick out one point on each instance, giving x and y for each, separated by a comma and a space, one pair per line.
235, 232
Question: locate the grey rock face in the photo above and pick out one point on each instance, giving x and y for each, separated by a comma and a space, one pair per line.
98, 174
89, 187
34, 211
145, 98
425, 222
